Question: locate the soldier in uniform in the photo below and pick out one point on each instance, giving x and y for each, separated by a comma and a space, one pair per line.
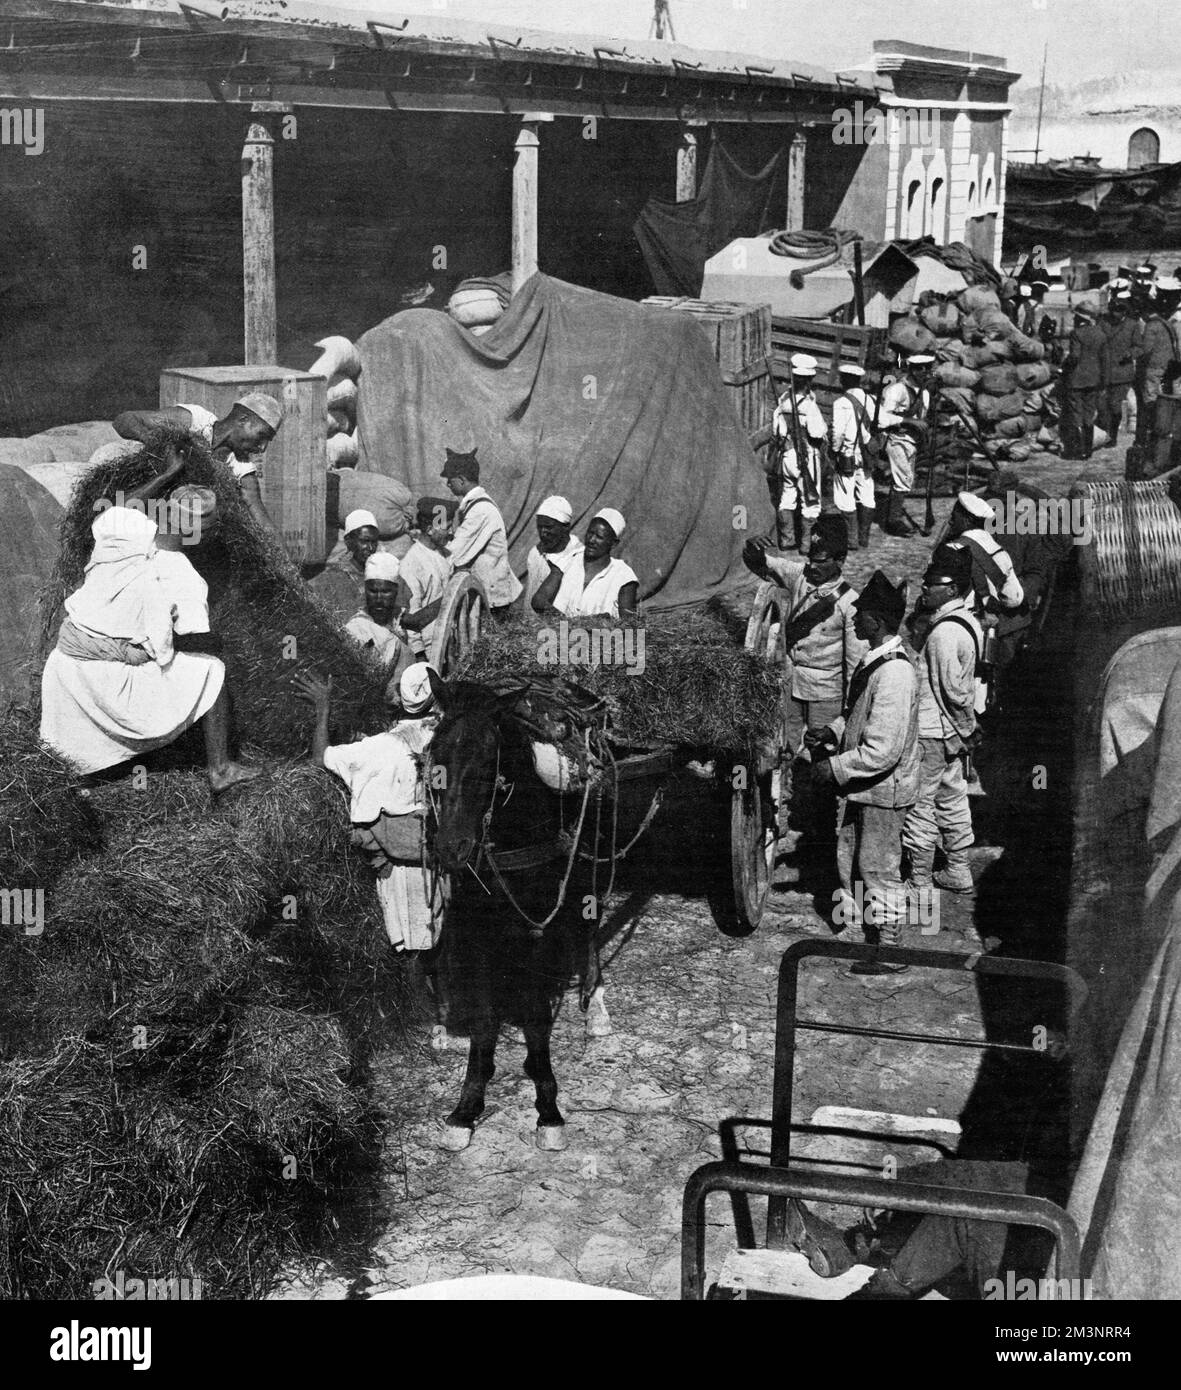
852, 484
905, 404
1158, 351
1084, 384
1123, 343
802, 477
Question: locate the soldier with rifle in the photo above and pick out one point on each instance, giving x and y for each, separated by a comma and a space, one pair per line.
852, 482
799, 423
905, 405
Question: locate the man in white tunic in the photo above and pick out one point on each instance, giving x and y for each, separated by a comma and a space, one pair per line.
425, 571
387, 803
802, 475
594, 582
852, 483
239, 439
115, 686
556, 544
375, 626
905, 404
481, 541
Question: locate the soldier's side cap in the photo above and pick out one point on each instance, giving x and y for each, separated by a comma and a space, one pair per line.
950, 564
974, 505
802, 364
881, 597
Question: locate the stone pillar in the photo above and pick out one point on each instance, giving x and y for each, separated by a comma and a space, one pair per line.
796, 163
258, 241
687, 165
525, 160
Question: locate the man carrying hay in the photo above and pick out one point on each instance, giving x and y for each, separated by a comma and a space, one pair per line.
387, 804
116, 686
239, 439
871, 753
480, 543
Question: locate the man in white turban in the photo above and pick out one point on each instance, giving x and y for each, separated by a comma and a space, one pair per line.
387, 801
594, 582
115, 686
556, 544
375, 626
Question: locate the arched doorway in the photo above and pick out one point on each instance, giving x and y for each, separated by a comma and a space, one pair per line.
1143, 148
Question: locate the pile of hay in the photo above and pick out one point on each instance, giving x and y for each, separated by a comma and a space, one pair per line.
698, 687
184, 1049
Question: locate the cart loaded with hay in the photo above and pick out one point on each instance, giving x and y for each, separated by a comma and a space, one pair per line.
557, 742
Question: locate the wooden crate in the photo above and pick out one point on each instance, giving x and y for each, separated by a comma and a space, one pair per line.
740, 338
294, 471
830, 344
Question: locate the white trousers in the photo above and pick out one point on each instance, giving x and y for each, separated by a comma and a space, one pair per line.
851, 492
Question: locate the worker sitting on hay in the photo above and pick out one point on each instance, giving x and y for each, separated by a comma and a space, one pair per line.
480, 543
387, 803
238, 439
556, 544
593, 582
340, 585
118, 685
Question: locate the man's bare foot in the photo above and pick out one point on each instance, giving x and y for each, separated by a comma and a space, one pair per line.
221, 779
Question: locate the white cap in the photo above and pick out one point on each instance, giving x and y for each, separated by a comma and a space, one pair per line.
355, 520
920, 359
850, 369
267, 408
974, 505
414, 689
1169, 284
802, 364
382, 565
557, 509
613, 519
1026, 292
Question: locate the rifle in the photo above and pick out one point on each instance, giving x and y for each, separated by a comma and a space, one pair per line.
774, 468
807, 485
929, 516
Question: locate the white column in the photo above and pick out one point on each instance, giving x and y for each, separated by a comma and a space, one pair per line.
687, 166
1000, 191
961, 153
796, 167
525, 197
892, 171
258, 242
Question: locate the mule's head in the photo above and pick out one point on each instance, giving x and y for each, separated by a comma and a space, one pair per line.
465, 754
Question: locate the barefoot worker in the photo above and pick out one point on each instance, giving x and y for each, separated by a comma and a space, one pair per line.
593, 582
387, 803
116, 686
239, 439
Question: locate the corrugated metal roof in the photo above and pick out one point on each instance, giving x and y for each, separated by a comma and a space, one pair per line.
392, 29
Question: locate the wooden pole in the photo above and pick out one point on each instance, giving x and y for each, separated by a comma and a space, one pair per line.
258, 242
525, 160
796, 159
687, 167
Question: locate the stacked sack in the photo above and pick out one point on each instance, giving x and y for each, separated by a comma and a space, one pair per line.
340, 362
479, 302
985, 366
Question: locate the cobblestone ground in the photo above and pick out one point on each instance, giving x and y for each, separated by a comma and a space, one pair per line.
694, 1018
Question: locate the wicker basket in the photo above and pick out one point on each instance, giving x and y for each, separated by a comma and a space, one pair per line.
1133, 563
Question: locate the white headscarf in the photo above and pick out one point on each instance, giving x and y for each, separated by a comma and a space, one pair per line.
382, 565
122, 594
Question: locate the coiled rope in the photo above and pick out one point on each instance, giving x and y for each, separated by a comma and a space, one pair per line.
825, 248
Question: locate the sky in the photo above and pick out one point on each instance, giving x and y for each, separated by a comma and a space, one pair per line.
1087, 38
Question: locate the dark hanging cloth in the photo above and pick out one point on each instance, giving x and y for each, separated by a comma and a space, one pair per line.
678, 238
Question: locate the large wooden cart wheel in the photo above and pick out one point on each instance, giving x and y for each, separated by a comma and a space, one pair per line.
461, 620
757, 810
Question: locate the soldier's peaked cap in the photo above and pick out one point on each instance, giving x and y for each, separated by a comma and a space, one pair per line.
883, 599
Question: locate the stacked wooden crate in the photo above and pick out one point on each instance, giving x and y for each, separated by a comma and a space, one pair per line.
740, 336
830, 344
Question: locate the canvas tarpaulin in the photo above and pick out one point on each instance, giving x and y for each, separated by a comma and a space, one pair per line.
606, 402
29, 523
1093, 208
678, 238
